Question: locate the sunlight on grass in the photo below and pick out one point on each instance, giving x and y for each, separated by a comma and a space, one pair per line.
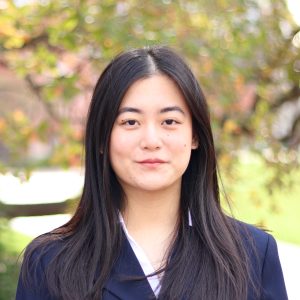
276, 209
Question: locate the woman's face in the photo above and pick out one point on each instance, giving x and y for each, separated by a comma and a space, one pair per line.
152, 138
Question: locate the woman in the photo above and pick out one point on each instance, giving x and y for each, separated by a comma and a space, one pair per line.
149, 224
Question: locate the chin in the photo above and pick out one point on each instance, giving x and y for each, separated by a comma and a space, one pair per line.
157, 186
154, 188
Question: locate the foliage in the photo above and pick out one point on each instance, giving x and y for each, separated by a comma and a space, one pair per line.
244, 52
11, 244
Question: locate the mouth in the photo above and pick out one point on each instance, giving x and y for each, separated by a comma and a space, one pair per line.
152, 162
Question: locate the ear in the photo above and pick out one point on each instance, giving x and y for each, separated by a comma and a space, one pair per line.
195, 143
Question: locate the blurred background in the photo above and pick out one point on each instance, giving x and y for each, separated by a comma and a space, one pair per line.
246, 55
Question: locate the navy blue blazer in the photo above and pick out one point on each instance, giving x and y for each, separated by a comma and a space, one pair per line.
265, 266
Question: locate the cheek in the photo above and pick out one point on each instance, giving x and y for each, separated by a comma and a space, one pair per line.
179, 143
121, 144
115, 145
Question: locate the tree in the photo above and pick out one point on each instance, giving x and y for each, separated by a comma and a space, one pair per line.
244, 52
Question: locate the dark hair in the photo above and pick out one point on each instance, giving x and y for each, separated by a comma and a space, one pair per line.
208, 262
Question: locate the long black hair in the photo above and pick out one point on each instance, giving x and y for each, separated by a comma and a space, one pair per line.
208, 262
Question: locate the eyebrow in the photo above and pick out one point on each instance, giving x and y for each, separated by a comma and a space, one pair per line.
139, 111
129, 109
172, 108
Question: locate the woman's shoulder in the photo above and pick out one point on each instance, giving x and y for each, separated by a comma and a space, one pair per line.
263, 259
256, 240
252, 235
260, 245
38, 255
254, 231
43, 248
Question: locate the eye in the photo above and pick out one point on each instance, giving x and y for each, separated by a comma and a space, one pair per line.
170, 122
129, 122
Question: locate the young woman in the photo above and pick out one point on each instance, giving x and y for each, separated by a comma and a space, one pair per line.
149, 224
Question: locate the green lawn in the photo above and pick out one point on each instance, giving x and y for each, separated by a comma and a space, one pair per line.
11, 244
277, 210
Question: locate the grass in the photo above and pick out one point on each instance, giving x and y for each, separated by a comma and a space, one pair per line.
11, 245
276, 209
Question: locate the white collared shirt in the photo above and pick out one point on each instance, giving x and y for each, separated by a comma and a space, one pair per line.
143, 259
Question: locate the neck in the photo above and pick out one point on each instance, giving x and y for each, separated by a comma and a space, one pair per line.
151, 210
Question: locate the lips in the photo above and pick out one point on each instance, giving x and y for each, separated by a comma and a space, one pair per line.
152, 161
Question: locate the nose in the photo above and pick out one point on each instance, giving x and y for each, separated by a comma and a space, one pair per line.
151, 138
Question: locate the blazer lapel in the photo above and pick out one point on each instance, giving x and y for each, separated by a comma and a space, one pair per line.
120, 283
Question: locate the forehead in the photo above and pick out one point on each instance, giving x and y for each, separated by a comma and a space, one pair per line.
155, 91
